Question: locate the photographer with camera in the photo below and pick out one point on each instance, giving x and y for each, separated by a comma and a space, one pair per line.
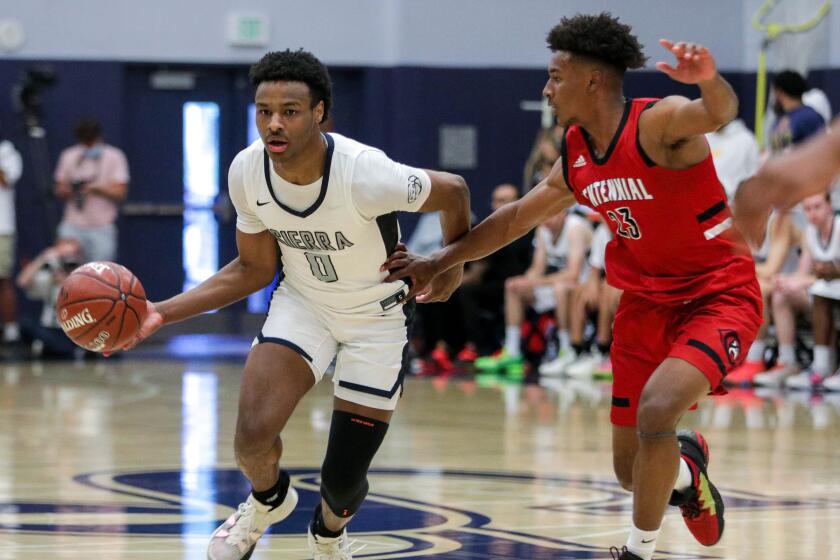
41, 280
92, 177
11, 167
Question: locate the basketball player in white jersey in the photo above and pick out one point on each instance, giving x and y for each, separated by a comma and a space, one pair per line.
814, 285
327, 205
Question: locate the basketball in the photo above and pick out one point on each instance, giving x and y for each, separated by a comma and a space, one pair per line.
101, 306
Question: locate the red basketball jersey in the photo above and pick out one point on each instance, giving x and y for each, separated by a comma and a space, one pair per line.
672, 230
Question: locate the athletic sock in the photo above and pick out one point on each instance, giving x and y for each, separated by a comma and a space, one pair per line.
684, 479
642, 543
11, 332
578, 348
604, 349
756, 353
320, 528
512, 340
787, 356
564, 340
275, 495
822, 359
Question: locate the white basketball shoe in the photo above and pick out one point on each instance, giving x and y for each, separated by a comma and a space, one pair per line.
236, 538
325, 548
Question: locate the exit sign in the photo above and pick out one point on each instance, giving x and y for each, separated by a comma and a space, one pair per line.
248, 30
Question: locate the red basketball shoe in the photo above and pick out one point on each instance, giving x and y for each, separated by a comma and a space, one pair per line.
701, 505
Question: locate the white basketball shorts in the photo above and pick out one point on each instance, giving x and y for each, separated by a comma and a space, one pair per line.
368, 343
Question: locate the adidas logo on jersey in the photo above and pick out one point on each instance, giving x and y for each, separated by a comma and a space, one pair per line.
580, 162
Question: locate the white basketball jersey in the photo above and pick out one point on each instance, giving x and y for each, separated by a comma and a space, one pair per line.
330, 252
829, 252
600, 239
557, 250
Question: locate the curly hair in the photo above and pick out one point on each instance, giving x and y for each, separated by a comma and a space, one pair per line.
295, 66
791, 82
602, 38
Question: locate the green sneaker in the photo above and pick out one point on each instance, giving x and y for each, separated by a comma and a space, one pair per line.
515, 370
500, 361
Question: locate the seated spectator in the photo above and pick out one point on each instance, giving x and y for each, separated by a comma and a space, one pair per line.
482, 291
816, 286
777, 255
561, 243
10, 170
594, 296
41, 280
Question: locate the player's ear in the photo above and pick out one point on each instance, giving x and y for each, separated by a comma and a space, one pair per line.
596, 80
319, 112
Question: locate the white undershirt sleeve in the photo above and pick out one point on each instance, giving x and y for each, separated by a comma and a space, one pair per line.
246, 220
381, 186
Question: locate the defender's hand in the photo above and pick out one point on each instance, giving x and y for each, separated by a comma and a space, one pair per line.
404, 265
695, 63
442, 286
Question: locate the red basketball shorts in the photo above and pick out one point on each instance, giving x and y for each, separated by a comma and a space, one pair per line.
713, 333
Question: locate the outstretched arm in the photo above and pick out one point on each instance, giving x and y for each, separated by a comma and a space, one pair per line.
672, 131
785, 180
252, 270
503, 226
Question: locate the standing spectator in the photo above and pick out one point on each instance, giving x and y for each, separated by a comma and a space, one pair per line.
795, 121
735, 153
92, 177
10, 170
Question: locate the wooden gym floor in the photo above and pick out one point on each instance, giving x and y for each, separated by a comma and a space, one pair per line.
132, 459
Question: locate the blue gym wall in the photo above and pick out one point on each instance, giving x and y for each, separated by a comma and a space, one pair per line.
398, 109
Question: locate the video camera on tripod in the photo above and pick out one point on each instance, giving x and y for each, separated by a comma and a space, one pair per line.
26, 94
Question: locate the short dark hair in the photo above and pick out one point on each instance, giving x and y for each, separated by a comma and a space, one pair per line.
87, 130
295, 66
791, 82
601, 37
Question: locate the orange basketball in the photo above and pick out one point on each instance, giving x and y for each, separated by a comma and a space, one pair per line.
101, 306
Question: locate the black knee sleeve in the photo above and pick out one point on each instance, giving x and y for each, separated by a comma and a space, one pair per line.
354, 441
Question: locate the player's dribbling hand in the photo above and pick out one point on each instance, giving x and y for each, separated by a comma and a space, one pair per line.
152, 322
695, 63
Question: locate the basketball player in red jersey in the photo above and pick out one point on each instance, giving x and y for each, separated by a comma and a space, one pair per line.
691, 302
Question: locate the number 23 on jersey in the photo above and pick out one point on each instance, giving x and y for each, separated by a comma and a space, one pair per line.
626, 226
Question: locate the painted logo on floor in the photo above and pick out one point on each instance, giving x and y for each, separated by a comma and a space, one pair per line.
404, 517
